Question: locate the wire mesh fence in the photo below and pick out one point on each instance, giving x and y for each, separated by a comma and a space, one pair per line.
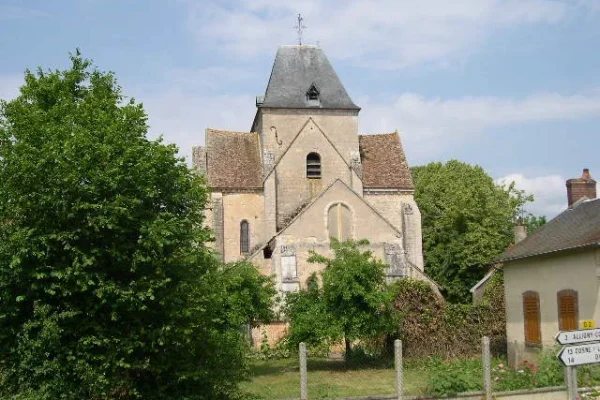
341, 376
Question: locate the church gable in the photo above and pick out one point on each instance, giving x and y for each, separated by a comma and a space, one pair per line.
308, 166
340, 212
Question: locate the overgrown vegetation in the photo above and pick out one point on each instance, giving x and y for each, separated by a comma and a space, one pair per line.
355, 304
107, 290
431, 327
448, 377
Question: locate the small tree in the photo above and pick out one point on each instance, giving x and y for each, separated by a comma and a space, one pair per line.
310, 320
107, 290
353, 302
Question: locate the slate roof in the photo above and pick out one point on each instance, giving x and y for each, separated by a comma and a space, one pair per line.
384, 164
574, 228
233, 160
295, 70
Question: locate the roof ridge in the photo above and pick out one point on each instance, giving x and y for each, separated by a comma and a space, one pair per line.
228, 131
379, 134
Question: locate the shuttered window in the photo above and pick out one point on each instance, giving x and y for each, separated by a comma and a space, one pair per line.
244, 237
313, 166
531, 316
568, 310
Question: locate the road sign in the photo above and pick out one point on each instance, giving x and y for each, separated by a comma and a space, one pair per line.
588, 324
573, 337
581, 354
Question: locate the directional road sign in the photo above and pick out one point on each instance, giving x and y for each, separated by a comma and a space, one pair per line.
581, 354
573, 337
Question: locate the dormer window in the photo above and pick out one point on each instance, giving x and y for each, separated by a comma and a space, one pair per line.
313, 166
312, 96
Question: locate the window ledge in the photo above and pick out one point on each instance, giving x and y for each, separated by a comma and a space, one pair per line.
534, 345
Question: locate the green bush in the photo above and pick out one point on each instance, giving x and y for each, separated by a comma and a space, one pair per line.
452, 377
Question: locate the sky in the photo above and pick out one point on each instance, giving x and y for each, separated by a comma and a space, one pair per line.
510, 85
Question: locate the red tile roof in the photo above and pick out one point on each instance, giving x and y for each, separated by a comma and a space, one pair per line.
233, 160
384, 164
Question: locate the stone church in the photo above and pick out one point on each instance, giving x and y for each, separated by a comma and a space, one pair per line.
304, 174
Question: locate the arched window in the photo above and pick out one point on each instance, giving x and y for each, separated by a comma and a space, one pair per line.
244, 237
313, 166
531, 317
568, 310
339, 222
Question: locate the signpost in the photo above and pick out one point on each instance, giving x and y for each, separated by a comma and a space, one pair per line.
579, 348
582, 354
576, 337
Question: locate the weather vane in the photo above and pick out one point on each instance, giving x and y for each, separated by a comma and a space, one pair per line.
299, 28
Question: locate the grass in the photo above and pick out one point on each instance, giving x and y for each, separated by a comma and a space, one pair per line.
280, 379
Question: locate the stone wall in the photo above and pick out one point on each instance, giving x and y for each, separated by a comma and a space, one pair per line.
401, 210
280, 126
272, 333
238, 207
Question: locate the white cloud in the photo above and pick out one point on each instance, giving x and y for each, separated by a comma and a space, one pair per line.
431, 126
550, 194
181, 117
9, 86
385, 34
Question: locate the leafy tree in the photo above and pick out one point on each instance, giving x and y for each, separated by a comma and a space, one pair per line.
310, 321
107, 290
352, 303
533, 223
249, 294
467, 221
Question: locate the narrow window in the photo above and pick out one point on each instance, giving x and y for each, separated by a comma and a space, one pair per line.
531, 316
313, 166
339, 222
244, 237
568, 310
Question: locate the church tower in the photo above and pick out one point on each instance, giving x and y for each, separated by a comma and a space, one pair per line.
304, 174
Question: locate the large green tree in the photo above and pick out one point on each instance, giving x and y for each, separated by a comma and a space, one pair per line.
107, 290
467, 221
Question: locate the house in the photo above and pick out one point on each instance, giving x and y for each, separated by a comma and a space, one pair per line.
552, 278
478, 290
304, 174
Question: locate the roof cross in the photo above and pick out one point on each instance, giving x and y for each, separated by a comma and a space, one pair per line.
300, 28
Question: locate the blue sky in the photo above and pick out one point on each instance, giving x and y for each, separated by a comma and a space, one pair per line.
511, 85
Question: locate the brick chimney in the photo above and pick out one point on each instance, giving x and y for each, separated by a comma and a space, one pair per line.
578, 188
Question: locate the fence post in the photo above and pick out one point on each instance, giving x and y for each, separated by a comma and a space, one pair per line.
399, 369
303, 373
487, 373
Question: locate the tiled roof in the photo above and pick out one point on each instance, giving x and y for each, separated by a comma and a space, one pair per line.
295, 70
384, 164
233, 160
574, 228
